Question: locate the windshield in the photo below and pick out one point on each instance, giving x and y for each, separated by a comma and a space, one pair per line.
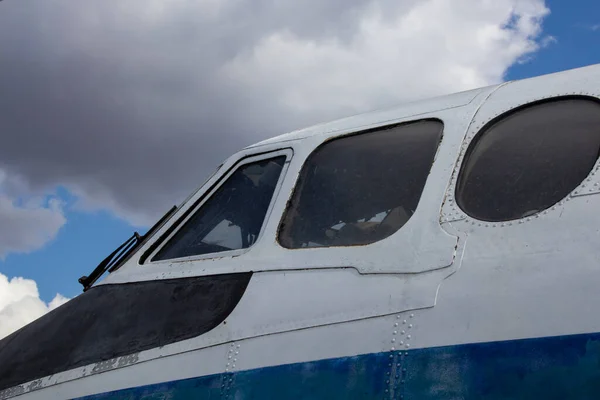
232, 217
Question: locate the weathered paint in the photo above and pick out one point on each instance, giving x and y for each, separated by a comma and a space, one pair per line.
563, 367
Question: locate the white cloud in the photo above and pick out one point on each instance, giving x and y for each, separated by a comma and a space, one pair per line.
26, 224
57, 301
437, 46
20, 303
547, 41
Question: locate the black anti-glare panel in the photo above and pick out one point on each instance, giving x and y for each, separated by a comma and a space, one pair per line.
110, 321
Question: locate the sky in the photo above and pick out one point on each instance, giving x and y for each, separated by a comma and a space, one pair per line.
112, 111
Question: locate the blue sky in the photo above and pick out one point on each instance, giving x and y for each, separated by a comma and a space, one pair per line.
85, 240
576, 27
88, 236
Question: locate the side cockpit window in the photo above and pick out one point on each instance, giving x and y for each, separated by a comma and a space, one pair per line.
232, 217
362, 188
529, 159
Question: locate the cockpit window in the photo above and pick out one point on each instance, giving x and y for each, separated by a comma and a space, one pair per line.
359, 189
529, 159
232, 217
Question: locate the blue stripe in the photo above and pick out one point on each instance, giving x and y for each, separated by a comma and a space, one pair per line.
564, 367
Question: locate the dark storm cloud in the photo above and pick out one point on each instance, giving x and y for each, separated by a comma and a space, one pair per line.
125, 104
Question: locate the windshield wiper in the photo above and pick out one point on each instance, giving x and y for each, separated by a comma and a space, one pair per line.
122, 253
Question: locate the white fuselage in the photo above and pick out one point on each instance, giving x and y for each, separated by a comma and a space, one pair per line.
447, 307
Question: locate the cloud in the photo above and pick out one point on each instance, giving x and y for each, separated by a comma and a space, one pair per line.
26, 224
588, 27
20, 303
548, 40
130, 104
434, 42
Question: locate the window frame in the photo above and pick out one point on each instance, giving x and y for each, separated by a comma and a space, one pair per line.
372, 130
423, 242
148, 256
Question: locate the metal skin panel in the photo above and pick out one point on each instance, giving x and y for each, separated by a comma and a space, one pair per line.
377, 118
497, 311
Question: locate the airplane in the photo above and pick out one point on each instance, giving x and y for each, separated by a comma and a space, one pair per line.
442, 249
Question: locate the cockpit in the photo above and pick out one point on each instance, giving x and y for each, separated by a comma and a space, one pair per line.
231, 219
353, 190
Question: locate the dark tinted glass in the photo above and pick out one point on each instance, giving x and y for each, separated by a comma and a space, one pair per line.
362, 188
232, 218
111, 321
530, 159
